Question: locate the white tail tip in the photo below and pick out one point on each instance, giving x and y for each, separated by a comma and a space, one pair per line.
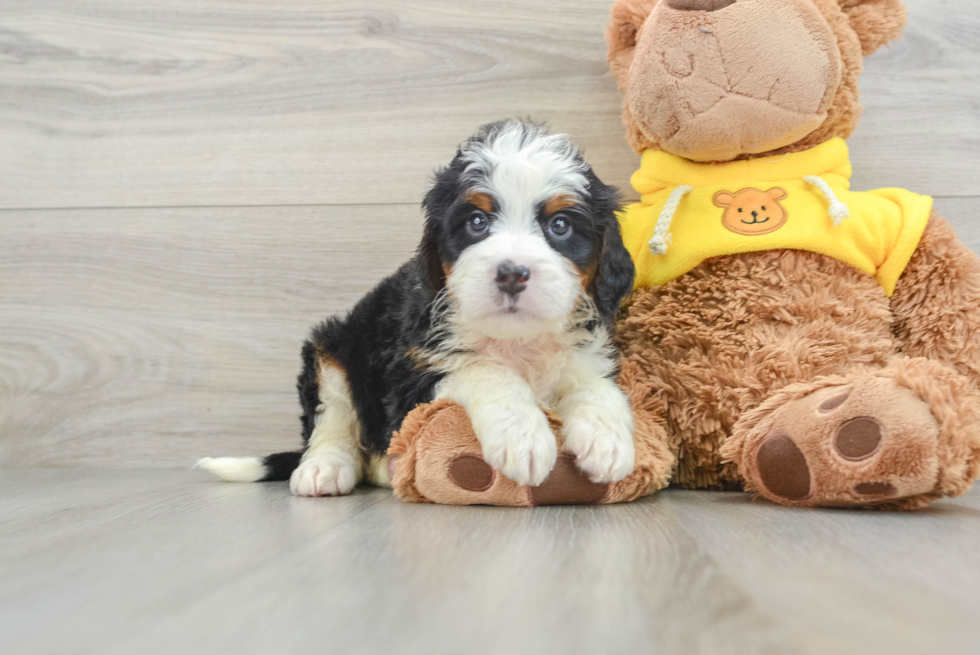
234, 469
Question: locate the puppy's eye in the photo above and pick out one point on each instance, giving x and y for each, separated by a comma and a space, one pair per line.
477, 224
560, 227
763, 208
739, 210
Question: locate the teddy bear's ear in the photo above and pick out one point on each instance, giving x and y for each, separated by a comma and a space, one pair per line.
876, 22
622, 33
777, 194
723, 199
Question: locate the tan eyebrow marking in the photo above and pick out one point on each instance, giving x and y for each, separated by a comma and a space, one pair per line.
481, 200
558, 203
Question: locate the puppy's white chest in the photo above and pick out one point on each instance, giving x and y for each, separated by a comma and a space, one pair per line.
539, 362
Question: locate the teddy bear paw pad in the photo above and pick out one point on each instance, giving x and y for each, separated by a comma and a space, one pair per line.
858, 439
863, 444
782, 468
470, 472
875, 488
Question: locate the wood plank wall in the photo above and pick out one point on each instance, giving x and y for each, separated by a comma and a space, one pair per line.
186, 187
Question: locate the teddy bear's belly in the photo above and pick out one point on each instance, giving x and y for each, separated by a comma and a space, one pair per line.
718, 340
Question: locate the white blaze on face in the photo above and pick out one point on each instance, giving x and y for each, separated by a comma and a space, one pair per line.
521, 168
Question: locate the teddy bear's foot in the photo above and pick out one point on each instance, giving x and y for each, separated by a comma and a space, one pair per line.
899, 437
858, 444
436, 458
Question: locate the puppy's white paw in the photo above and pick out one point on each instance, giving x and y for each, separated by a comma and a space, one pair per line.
520, 444
602, 441
330, 474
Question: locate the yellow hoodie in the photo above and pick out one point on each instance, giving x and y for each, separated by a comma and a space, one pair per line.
690, 212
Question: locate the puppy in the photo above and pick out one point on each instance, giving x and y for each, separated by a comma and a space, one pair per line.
507, 308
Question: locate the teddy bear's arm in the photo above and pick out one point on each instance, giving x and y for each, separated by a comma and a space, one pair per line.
936, 305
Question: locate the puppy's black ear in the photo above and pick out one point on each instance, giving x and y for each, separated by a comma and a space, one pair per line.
614, 274
429, 261
437, 204
613, 278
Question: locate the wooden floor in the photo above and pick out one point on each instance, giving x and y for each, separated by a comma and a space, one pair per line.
168, 561
185, 187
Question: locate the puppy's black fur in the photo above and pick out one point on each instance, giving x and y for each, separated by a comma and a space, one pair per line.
378, 344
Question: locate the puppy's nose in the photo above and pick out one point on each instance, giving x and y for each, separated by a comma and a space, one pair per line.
755, 214
699, 5
511, 278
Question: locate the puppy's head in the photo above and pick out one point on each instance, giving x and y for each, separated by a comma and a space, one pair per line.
519, 230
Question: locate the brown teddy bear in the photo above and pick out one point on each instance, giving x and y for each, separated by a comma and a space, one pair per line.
788, 336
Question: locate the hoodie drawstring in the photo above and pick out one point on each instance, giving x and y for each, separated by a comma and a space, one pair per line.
661, 234
838, 210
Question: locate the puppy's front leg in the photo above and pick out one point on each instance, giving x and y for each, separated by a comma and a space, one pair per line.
513, 431
597, 421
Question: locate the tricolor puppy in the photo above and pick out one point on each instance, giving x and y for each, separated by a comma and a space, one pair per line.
506, 308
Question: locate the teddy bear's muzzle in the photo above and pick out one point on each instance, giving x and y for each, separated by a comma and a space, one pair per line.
711, 82
699, 5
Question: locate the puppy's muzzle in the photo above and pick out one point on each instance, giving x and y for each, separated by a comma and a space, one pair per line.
511, 278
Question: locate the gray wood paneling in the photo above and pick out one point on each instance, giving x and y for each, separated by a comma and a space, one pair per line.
133, 103
921, 124
129, 103
964, 215
148, 336
152, 337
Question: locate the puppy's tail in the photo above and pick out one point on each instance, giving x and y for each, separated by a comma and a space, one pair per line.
252, 469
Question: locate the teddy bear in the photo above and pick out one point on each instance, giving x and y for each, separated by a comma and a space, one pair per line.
786, 336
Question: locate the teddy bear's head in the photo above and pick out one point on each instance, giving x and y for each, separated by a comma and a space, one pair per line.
718, 80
